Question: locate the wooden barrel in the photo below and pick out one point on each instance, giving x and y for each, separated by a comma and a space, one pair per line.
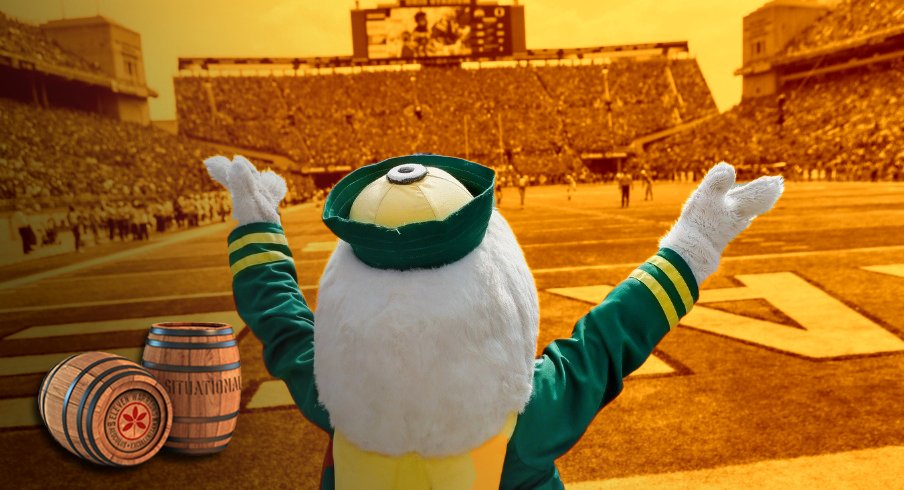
198, 364
105, 408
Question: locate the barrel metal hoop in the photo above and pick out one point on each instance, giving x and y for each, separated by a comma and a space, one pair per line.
175, 332
93, 405
191, 369
197, 450
205, 420
191, 345
189, 440
48, 378
81, 406
78, 412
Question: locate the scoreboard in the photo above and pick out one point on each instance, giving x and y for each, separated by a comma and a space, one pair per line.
434, 30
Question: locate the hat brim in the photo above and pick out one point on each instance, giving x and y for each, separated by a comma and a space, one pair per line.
426, 244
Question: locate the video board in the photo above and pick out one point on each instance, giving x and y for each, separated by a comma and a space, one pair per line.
407, 32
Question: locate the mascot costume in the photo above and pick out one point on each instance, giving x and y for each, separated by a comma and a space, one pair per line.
420, 364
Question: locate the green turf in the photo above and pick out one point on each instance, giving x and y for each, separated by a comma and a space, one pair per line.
728, 403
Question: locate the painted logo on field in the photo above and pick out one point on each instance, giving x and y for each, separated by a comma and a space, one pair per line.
827, 327
132, 421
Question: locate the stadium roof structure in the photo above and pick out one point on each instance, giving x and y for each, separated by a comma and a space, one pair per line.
862, 45
890, 42
26, 47
205, 63
87, 21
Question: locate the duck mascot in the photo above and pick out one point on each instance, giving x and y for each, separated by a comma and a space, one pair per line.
420, 362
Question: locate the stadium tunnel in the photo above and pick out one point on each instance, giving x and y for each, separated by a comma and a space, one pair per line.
605, 163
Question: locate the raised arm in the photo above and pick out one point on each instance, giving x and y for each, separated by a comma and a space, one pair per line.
264, 281
576, 377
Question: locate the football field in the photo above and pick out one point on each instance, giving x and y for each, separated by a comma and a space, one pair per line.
787, 373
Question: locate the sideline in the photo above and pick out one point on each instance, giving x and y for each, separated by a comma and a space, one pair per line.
170, 240
736, 258
129, 301
866, 468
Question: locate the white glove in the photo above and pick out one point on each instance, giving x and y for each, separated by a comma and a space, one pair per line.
715, 214
255, 195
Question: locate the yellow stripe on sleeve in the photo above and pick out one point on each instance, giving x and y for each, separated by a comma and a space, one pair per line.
258, 259
659, 292
275, 238
680, 284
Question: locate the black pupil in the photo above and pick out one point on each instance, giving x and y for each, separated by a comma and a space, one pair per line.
406, 170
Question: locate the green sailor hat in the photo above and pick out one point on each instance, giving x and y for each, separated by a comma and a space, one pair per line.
445, 222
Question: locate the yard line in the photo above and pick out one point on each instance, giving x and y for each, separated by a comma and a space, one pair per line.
866, 468
195, 270
613, 216
652, 238
789, 248
271, 394
736, 258
41, 363
165, 242
125, 325
19, 412
172, 240
319, 246
148, 299
892, 269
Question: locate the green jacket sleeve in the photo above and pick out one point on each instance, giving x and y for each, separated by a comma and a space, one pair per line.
576, 377
269, 301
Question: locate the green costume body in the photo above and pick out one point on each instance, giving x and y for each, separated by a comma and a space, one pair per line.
573, 379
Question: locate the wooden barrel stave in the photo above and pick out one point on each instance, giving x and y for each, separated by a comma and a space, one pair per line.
79, 401
199, 366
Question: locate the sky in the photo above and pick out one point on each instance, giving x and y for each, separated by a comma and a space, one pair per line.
171, 29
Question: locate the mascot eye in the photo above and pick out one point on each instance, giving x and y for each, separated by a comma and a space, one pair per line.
407, 173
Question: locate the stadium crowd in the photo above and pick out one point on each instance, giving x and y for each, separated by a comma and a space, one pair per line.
848, 21
536, 118
30, 42
844, 126
61, 155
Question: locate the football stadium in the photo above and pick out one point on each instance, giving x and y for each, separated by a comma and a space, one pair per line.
786, 373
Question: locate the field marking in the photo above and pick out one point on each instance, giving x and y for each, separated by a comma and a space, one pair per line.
789, 248
195, 270
179, 237
591, 242
652, 366
19, 412
320, 246
84, 304
830, 328
596, 294
125, 325
735, 258
40, 363
128, 301
891, 269
272, 393
172, 240
866, 468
